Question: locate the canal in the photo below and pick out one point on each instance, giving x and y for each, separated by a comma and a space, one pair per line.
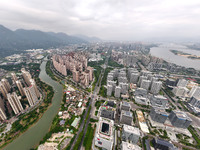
33, 136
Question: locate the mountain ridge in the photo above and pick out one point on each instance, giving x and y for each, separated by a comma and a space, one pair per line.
21, 39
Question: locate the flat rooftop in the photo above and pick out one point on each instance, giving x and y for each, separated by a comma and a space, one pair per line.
161, 111
105, 128
125, 103
182, 115
129, 146
127, 113
131, 129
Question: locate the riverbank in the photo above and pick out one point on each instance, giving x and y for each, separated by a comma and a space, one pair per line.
187, 55
30, 118
35, 133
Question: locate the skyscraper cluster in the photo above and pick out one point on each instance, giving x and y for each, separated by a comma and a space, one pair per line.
26, 88
75, 63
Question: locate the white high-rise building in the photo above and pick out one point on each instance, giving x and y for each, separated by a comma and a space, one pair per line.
117, 91
155, 87
129, 146
195, 92
35, 87
109, 90
180, 91
145, 84
15, 102
140, 80
134, 78
182, 83
31, 95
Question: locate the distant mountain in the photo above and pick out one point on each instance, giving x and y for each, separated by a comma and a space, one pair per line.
89, 39
16, 41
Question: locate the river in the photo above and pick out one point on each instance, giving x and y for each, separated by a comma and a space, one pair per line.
33, 136
163, 51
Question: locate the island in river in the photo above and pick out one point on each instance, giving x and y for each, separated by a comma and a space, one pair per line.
180, 53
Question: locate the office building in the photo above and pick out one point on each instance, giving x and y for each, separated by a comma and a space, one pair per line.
158, 101
129, 146
155, 87
195, 92
30, 95
107, 112
145, 84
125, 106
15, 103
162, 144
126, 117
158, 114
182, 82
195, 102
140, 92
20, 87
179, 119
142, 100
104, 136
130, 134
180, 91
170, 82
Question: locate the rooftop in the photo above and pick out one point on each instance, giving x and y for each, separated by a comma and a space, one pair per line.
128, 146
163, 142
182, 115
125, 103
131, 129
127, 113
161, 111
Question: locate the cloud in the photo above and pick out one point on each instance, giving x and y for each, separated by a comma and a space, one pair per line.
110, 20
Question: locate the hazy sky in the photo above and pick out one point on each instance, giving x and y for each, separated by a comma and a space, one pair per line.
107, 19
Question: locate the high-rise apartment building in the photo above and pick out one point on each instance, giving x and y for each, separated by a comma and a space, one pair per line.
155, 87
14, 77
35, 87
26, 76
3, 90
20, 87
145, 84
15, 102
195, 92
31, 95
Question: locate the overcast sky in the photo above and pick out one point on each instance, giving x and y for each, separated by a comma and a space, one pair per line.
107, 19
